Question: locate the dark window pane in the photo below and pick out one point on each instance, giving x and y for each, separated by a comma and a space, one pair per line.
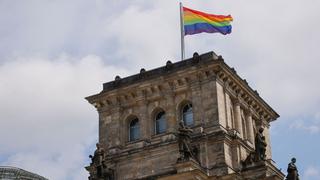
161, 124
187, 115
134, 130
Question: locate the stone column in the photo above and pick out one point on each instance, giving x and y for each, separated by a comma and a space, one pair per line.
237, 118
249, 124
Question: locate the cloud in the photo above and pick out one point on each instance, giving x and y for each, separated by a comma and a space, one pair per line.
310, 123
50, 28
145, 37
311, 172
309, 128
46, 124
53, 54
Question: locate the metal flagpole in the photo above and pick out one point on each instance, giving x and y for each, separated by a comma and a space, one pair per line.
182, 31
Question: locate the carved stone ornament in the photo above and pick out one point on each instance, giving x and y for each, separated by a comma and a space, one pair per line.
98, 169
260, 150
184, 140
292, 170
260, 145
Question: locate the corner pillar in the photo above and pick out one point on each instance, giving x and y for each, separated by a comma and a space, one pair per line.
237, 114
143, 115
249, 125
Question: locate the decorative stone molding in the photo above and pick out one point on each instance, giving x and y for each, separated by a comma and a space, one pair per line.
223, 135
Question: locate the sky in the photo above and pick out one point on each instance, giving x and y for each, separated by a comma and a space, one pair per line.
53, 53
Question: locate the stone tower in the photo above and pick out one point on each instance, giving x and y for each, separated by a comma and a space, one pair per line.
193, 119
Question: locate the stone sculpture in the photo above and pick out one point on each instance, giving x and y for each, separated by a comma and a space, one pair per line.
184, 142
292, 170
260, 145
97, 159
260, 150
98, 168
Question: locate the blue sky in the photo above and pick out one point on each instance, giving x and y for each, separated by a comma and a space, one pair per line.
55, 53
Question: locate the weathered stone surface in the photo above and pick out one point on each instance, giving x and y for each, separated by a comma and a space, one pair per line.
226, 115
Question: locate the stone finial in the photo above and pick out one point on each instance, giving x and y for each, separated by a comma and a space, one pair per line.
117, 78
233, 70
220, 58
168, 64
142, 70
196, 57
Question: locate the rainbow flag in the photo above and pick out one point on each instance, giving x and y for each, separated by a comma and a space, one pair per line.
197, 22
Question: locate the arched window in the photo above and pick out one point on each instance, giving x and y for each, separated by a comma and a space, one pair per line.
187, 115
134, 130
160, 123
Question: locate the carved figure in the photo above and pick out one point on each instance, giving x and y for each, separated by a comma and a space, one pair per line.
260, 145
98, 168
184, 142
250, 159
107, 173
292, 170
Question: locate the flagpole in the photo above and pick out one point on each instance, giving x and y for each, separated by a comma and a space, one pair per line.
182, 31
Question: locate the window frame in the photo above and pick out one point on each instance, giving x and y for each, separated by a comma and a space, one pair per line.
137, 128
156, 119
189, 105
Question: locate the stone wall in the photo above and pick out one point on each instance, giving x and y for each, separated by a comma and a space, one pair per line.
226, 114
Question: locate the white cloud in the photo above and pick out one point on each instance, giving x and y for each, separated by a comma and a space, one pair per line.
43, 115
46, 124
310, 123
309, 128
311, 172
145, 37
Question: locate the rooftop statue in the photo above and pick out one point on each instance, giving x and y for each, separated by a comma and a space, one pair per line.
184, 142
292, 170
98, 159
98, 168
260, 145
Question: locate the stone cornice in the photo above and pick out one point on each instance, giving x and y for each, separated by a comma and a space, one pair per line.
169, 69
179, 77
164, 70
244, 94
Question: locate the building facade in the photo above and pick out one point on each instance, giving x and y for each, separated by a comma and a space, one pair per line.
193, 119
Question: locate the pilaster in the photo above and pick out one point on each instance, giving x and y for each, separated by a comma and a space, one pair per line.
237, 118
249, 124
171, 113
197, 103
142, 104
